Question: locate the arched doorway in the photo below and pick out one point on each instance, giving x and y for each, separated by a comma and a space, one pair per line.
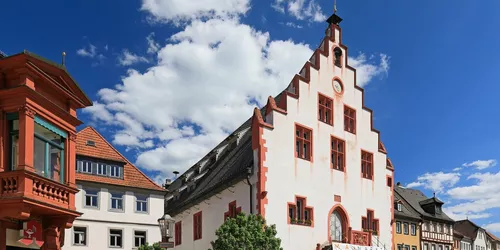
339, 224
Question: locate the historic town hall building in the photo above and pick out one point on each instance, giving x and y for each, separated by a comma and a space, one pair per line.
310, 162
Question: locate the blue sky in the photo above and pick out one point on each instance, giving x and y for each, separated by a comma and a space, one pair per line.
430, 66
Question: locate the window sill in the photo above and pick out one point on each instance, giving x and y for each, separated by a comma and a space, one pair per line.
353, 132
90, 207
366, 178
336, 169
327, 123
305, 159
302, 223
116, 210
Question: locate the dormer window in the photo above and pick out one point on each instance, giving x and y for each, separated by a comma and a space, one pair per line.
400, 207
91, 143
438, 209
96, 167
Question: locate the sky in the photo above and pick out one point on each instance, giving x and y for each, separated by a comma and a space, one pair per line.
171, 78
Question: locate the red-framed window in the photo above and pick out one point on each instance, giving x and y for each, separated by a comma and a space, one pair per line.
303, 143
349, 119
232, 211
338, 154
325, 107
389, 181
178, 233
299, 213
367, 165
369, 223
197, 226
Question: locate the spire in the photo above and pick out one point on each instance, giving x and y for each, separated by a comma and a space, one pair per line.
334, 19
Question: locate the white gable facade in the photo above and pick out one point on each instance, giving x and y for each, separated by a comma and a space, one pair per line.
320, 172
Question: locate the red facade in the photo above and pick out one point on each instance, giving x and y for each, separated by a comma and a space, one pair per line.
38, 103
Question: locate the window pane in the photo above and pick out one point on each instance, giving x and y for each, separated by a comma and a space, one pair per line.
14, 151
40, 156
55, 163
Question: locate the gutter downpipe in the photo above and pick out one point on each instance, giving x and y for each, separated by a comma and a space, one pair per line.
249, 173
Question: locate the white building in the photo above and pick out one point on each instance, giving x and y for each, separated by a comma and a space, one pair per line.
309, 162
120, 204
474, 232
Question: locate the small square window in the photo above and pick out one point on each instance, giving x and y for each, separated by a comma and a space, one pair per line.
115, 238
79, 236
139, 238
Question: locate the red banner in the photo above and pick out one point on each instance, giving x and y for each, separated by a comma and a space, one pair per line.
32, 233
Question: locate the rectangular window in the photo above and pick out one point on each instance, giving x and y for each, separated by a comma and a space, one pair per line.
139, 238
178, 233
48, 150
400, 247
102, 169
413, 228
367, 165
405, 228
114, 171
398, 227
292, 212
86, 167
14, 143
91, 198
116, 201
303, 143
141, 203
389, 181
349, 120
413, 247
426, 247
79, 236
400, 207
433, 247
440, 247
407, 247
338, 154
325, 106
447, 248
115, 238
197, 226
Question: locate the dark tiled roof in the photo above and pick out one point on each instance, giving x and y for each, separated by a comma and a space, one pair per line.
430, 201
407, 212
227, 170
413, 197
493, 237
466, 228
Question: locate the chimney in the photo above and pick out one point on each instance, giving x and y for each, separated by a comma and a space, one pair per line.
168, 182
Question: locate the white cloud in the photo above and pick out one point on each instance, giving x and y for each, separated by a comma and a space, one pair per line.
481, 164
367, 69
179, 11
204, 84
457, 169
493, 227
153, 46
436, 181
128, 58
292, 24
90, 52
99, 112
300, 9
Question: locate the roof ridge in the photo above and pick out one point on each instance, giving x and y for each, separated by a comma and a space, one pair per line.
118, 152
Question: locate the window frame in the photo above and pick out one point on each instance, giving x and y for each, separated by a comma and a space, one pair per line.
146, 201
48, 171
301, 141
367, 165
301, 213
111, 198
118, 168
98, 196
406, 228
85, 235
413, 229
369, 222
197, 226
101, 166
111, 235
399, 206
178, 233
398, 227
145, 238
349, 115
323, 108
334, 153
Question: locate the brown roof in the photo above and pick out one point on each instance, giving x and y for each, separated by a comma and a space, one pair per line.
467, 228
132, 176
494, 237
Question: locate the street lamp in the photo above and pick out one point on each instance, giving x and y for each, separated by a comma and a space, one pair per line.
165, 222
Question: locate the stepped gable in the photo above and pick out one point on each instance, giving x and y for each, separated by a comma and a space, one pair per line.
413, 197
187, 190
132, 176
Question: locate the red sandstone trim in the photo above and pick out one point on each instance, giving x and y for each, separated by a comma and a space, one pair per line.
304, 207
271, 106
345, 222
389, 164
258, 143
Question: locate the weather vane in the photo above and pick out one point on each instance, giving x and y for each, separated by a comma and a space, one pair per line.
335, 6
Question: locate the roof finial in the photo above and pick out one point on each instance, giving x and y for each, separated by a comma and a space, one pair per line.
434, 194
334, 6
63, 58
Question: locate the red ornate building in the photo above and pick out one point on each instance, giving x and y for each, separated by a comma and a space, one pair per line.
38, 103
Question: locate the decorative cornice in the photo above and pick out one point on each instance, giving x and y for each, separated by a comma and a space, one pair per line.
27, 110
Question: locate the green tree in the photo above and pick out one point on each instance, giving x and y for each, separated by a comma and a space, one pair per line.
155, 246
246, 232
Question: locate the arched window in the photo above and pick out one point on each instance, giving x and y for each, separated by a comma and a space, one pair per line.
338, 228
338, 56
